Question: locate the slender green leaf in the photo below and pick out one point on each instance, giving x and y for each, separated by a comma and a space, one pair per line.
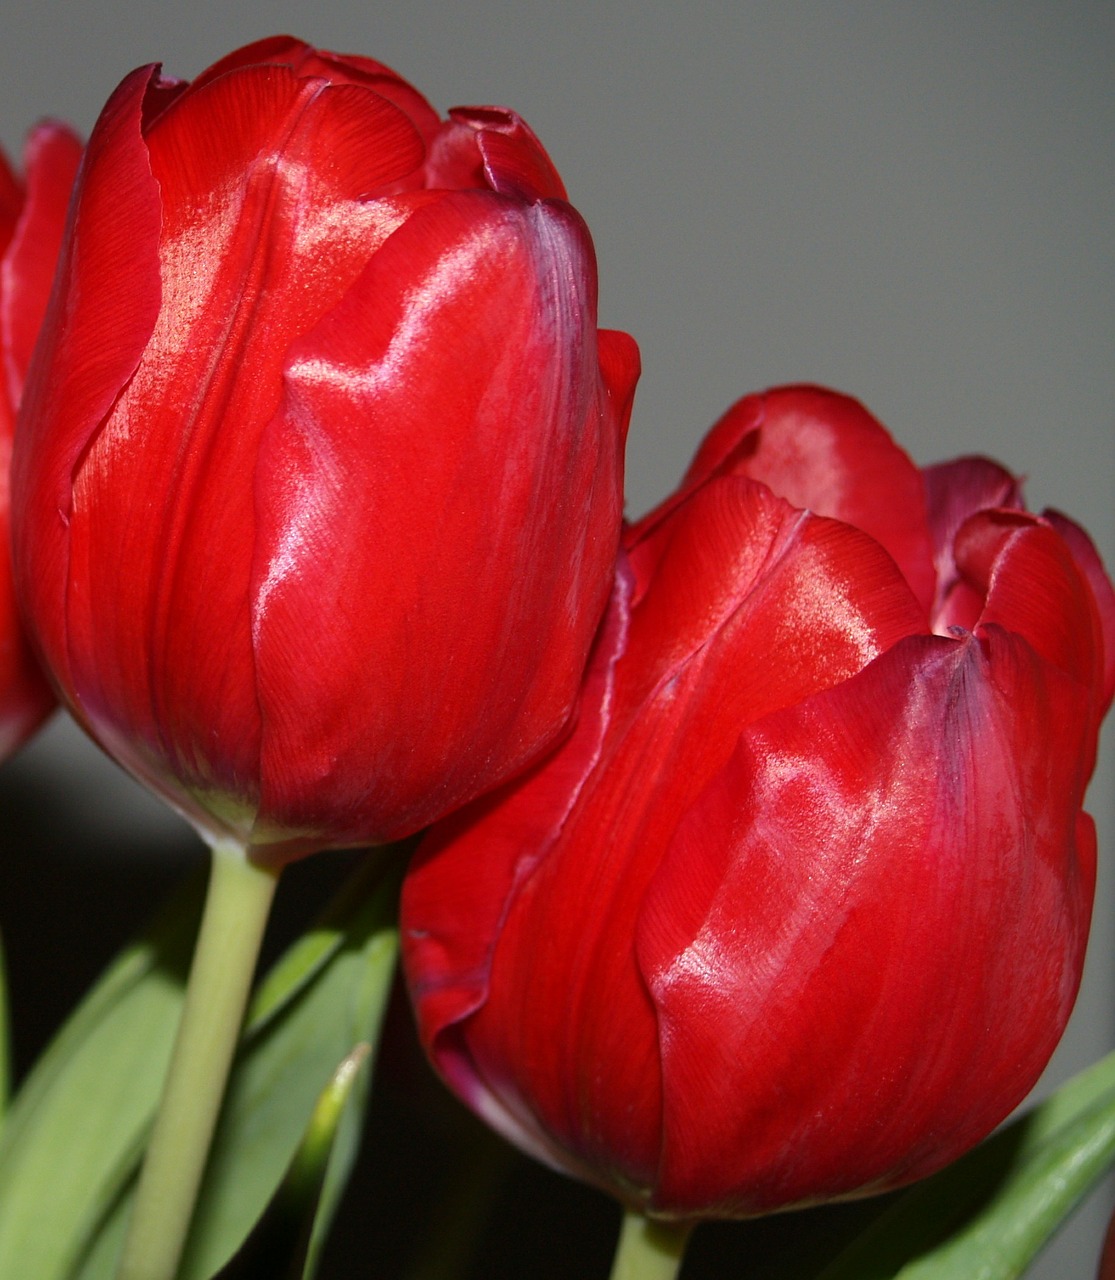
304, 959
74, 1137
76, 1127
279, 1244
988, 1215
369, 1007
290, 1053
324, 1162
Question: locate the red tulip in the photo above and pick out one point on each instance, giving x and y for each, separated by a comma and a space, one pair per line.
319, 486
799, 911
32, 214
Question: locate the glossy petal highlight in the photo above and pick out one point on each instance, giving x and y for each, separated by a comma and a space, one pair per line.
354, 433
798, 911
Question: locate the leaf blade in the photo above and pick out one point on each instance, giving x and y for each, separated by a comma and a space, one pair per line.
989, 1214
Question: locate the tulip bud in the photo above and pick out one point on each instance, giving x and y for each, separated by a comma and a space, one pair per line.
318, 492
798, 912
32, 214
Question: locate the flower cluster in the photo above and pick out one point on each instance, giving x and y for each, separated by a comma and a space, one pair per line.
757, 872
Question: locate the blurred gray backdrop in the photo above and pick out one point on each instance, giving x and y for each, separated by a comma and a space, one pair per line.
912, 203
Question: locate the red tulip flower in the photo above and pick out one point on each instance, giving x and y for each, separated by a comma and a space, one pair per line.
32, 214
318, 492
799, 911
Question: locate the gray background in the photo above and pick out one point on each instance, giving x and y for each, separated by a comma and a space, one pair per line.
912, 203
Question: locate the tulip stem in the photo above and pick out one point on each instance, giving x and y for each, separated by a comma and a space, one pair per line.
649, 1248
237, 905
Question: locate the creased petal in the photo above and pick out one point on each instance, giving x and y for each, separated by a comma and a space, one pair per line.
492, 148
824, 452
93, 336
477, 311
1088, 561
894, 864
51, 159
454, 906
954, 491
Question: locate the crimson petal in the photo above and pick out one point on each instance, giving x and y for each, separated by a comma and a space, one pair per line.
93, 337
824, 452
895, 863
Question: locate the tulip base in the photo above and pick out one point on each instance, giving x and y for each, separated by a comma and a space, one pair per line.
649, 1249
237, 904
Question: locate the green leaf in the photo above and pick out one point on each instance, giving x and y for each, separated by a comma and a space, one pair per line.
336, 993
370, 997
988, 1215
73, 1141
75, 1129
329, 1148
280, 1245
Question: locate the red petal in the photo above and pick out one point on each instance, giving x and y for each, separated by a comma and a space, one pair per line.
456, 391
467, 874
896, 863
11, 201
954, 491
620, 366
277, 50
96, 328
743, 572
348, 68
1088, 561
1032, 586
26, 272
515, 161
383, 80
520, 1007
492, 149
824, 452
52, 157
454, 162
209, 142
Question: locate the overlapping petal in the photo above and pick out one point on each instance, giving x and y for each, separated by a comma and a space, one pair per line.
94, 334
31, 221
898, 862
435, 332
356, 432
824, 452
798, 912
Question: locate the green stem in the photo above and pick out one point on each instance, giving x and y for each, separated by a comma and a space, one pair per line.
237, 905
649, 1248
